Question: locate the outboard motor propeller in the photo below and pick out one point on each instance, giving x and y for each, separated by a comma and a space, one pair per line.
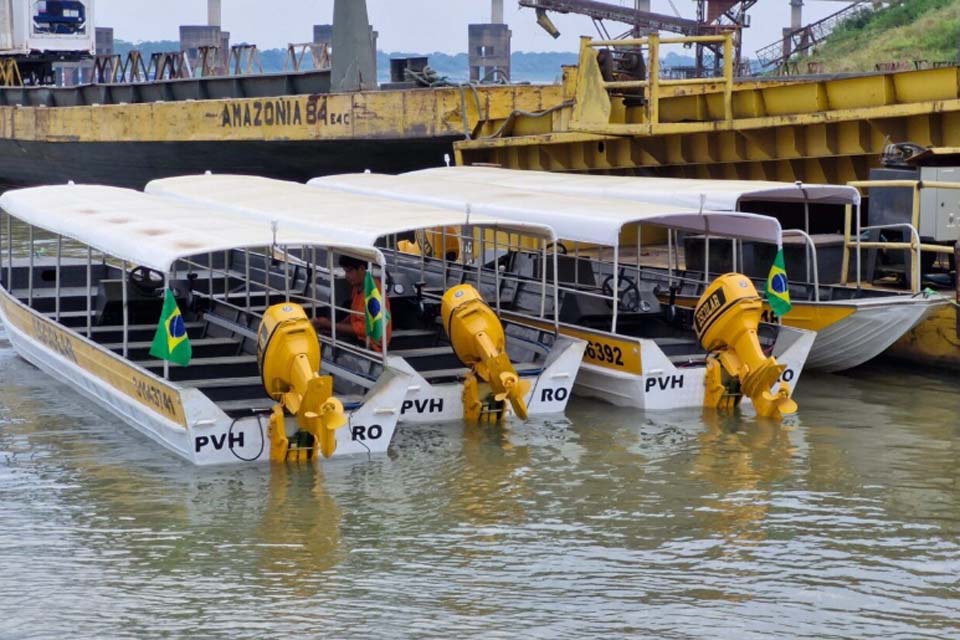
479, 341
726, 320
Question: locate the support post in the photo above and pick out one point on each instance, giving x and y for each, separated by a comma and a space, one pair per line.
616, 286
956, 282
654, 82
543, 277
286, 274
845, 264
246, 274
313, 281
728, 77
10, 253
30, 272
56, 277
126, 310
89, 292
333, 298
496, 268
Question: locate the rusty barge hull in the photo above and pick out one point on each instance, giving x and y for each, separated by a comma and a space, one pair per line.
134, 164
293, 137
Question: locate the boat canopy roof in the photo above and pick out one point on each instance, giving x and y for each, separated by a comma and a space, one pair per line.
576, 218
354, 218
148, 230
720, 195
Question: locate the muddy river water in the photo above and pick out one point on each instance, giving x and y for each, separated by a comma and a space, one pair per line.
605, 523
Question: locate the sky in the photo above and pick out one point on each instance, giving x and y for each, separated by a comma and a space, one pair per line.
421, 26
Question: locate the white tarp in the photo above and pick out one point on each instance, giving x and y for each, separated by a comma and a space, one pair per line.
581, 219
353, 218
720, 195
149, 230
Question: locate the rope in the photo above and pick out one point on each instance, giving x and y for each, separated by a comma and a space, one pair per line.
930, 293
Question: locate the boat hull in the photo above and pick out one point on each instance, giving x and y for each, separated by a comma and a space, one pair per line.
550, 388
933, 342
182, 420
852, 332
664, 386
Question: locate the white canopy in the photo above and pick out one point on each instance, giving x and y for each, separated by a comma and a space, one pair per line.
719, 195
148, 230
581, 219
351, 218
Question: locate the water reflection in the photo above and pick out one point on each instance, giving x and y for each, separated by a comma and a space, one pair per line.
741, 459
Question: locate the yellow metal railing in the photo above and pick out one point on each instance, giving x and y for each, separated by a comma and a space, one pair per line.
10, 73
590, 73
851, 239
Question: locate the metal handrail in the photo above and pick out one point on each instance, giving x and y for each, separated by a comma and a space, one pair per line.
914, 248
653, 83
811, 257
918, 247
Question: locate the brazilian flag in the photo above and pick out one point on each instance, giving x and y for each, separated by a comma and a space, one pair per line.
778, 287
375, 314
171, 341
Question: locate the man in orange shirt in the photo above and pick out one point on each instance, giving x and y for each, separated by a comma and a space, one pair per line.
355, 272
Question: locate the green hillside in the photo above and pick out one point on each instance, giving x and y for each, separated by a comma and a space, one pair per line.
912, 30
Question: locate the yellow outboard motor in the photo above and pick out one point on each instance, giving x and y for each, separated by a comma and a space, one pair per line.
726, 320
478, 340
288, 353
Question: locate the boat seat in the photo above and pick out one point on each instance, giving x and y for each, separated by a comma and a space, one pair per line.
198, 343
211, 383
412, 333
265, 404
422, 352
141, 308
134, 327
212, 361
441, 375
230, 325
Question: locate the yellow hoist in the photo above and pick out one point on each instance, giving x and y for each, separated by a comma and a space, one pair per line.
288, 353
479, 341
726, 320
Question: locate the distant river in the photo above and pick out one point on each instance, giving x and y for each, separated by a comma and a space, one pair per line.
608, 523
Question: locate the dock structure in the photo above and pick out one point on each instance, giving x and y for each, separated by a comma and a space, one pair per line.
829, 128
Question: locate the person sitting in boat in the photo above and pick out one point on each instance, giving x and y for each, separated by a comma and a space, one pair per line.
355, 272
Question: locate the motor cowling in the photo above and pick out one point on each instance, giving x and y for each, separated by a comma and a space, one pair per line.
288, 353
478, 339
726, 319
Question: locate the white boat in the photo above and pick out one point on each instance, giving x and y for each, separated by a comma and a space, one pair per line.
853, 324
641, 352
86, 311
545, 360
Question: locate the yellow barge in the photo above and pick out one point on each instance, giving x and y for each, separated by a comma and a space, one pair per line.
817, 129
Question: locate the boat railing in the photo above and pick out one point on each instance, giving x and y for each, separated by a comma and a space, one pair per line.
332, 341
852, 237
811, 259
590, 105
